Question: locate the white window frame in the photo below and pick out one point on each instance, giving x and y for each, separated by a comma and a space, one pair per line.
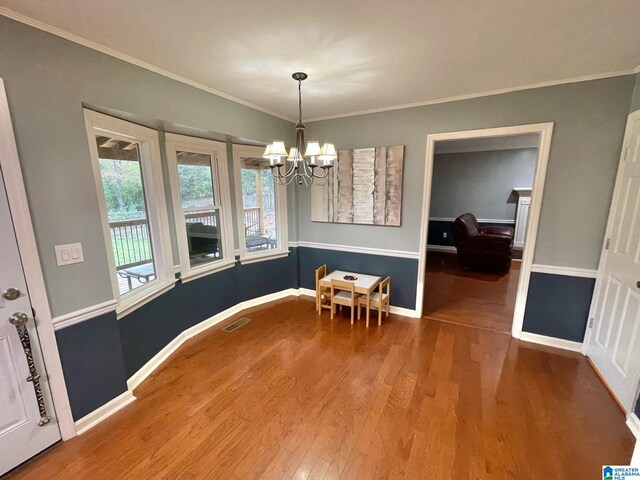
155, 201
222, 195
282, 248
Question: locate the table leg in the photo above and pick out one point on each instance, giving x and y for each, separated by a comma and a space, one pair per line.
129, 282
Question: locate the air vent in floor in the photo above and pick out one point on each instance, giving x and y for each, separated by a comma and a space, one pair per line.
236, 325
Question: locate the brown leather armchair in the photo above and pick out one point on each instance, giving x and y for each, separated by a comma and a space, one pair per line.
482, 248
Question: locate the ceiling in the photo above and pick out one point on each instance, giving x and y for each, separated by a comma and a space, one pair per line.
360, 54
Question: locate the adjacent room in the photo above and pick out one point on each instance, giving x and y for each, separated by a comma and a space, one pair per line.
287, 240
481, 192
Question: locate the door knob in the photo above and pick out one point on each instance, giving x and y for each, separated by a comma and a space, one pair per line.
18, 319
11, 293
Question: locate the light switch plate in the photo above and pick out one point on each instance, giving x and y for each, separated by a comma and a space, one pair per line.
69, 254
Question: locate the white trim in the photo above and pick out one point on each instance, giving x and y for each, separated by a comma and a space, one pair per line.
19, 17
19, 206
105, 411
633, 422
457, 98
480, 220
267, 255
148, 368
545, 131
217, 152
282, 222
156, 202
568, 271
68, 319
137, 378
349, 248
442, 248
143, 300
129, 59
551, 341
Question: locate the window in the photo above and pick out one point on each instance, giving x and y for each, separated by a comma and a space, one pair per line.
126, 165
201, 204
262, 207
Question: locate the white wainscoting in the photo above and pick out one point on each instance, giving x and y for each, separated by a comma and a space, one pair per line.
568, 271
349, 248
84, 314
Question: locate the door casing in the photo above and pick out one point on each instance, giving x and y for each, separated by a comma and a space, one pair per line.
19, 206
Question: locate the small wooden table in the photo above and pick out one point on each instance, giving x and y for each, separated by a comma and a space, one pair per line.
365, 284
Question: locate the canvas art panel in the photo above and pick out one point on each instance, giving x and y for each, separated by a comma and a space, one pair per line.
365, 188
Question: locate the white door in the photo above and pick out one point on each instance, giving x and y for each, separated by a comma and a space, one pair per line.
614, 342
27, 424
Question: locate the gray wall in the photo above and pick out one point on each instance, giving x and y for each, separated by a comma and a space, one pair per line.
480, 182
589, 126
47, 80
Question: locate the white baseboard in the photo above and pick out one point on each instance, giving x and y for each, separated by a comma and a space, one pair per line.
442, 248
91, 420
633, 422
148, 368
551, 341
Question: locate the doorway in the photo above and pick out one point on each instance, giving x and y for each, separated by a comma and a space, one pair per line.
467, 286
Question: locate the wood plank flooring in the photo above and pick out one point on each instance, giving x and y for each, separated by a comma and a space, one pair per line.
295, 395
479, 299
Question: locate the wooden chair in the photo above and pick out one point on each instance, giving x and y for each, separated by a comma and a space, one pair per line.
343, 293
378, 300
322, 293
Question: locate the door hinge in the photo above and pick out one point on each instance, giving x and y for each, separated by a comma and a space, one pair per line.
624, 155
606, 244
591, 322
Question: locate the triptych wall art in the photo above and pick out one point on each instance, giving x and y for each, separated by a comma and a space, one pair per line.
365, 188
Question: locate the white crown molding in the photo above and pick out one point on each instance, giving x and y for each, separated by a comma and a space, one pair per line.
32, 22
84, 314
352, 249
551, 341
568, 271
458, 98
105, 411
480, 220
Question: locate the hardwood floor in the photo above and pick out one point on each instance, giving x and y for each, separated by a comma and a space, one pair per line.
295, 395
479, 299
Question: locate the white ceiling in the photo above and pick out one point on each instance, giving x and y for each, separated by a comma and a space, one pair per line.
359, 54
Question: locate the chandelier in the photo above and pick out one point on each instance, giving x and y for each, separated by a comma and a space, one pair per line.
302, 168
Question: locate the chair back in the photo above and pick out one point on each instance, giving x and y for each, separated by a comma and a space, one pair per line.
337, 284
321, 272
385, 287
464, 226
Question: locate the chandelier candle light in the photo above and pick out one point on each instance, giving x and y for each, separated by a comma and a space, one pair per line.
302, 168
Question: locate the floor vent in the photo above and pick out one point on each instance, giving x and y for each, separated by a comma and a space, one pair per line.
232, 327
